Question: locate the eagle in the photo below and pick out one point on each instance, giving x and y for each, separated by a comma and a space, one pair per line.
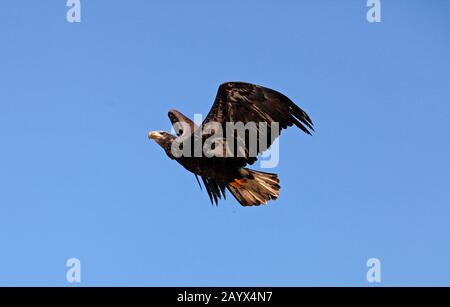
235, 102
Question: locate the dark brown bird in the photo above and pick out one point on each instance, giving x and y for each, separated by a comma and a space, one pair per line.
236, 102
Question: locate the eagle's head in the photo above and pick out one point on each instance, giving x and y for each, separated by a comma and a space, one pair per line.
164, 140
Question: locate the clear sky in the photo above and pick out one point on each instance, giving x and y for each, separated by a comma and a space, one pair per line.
79, 178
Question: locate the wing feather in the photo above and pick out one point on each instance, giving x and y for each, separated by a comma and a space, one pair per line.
244, 102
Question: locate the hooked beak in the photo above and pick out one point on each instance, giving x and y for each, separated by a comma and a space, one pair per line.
154, 135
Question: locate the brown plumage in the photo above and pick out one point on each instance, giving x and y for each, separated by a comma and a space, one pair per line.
237, 102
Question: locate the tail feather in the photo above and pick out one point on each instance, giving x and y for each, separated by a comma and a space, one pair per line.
256, 188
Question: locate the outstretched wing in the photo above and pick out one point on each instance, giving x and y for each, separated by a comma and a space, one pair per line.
248, 103
177, 117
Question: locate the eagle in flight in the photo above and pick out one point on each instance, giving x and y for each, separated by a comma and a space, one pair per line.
236, 102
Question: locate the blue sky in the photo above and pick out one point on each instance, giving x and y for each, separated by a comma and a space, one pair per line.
79, 178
